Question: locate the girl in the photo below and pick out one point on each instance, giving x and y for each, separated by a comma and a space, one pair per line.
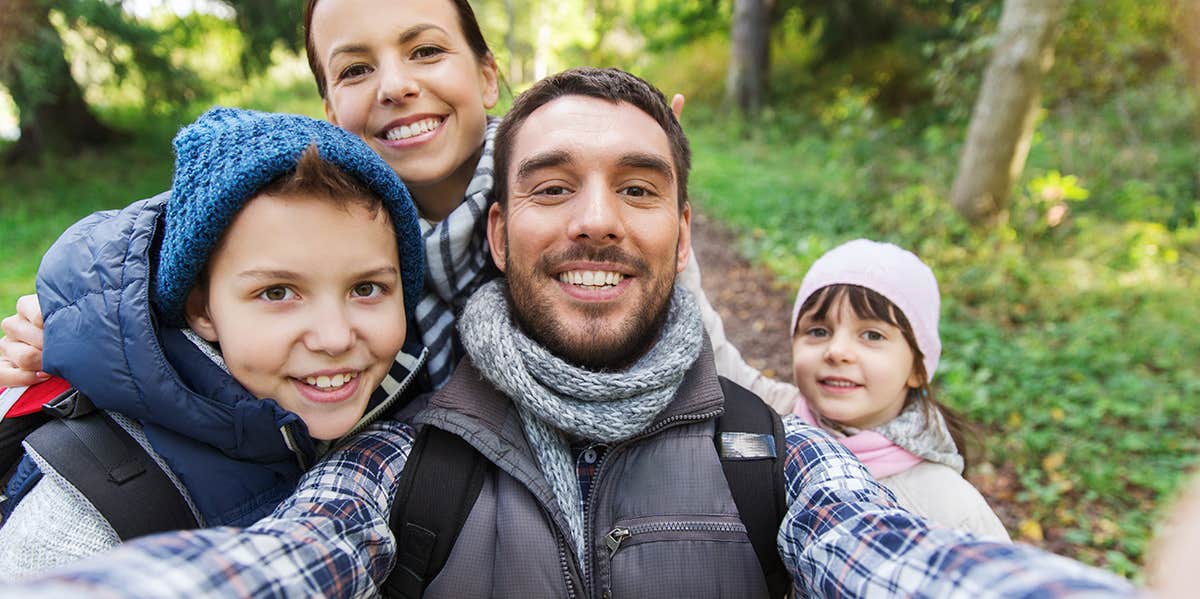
864, 349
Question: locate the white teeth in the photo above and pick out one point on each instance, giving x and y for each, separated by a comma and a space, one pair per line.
832, 383
591, 278
331, 382
413, 129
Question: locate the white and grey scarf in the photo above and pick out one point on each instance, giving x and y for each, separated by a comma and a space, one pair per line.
456, 264
556, 399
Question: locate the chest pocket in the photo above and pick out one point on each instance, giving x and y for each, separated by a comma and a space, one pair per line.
681, 556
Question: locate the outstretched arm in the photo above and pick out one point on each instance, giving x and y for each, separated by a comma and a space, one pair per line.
330, 538
845, 536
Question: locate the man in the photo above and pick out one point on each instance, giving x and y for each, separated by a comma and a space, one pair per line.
590, 388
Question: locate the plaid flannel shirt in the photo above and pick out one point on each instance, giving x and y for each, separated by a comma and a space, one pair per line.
844, 536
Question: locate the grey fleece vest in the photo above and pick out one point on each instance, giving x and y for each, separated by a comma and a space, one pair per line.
660, 520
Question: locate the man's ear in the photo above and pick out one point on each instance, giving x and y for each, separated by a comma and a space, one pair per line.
491, 81
683, 250
195, 311
495, 234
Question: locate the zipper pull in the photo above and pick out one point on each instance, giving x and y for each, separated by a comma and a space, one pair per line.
615, 538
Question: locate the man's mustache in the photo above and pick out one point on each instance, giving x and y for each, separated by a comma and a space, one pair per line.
588, 253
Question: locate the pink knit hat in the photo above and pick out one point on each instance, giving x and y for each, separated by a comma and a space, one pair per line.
893, 272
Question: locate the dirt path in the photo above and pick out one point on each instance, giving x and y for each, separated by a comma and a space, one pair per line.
756, 310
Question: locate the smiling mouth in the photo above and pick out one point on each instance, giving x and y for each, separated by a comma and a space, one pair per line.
839, 383
597, 279
413, 129
330, 382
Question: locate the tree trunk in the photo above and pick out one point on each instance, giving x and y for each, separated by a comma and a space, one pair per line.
750, 52
1001, 129
1188, 36
33, 66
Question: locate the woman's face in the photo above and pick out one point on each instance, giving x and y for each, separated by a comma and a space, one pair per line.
403, 77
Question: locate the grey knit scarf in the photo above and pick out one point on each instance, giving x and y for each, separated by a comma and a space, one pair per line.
556, 399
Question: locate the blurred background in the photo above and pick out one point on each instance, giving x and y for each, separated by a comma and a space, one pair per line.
1041, 155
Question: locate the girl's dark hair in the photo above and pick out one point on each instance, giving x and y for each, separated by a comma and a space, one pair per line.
466, 20
868, 304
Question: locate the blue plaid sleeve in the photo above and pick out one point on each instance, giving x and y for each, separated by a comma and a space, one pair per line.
330, 538
845, 536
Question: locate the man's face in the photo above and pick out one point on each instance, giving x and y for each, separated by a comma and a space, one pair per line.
592, 236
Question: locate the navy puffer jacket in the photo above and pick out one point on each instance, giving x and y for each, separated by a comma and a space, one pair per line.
237, 455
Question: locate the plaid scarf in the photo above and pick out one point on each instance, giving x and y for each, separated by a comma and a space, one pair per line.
457, 262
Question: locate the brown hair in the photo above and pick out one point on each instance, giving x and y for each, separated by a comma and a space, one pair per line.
868, 304
314, 177
613, 85
466, 21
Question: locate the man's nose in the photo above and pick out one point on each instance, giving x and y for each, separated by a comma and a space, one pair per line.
330, 331
597, 217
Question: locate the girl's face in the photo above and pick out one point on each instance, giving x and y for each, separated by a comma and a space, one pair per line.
853, 371
403, 77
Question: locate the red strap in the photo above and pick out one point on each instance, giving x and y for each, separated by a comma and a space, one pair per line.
35, 395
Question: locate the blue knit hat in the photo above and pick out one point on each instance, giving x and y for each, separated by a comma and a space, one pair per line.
228, 155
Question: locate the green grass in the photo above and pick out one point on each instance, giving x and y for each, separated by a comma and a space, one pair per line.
1072, 346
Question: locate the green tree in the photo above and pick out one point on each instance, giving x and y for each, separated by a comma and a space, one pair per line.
54, 114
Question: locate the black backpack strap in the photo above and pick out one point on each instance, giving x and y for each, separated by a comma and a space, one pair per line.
752, 446
100, 459
437, 490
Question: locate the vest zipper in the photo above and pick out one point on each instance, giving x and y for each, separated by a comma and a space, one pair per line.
620, 534
599, 478
562, 562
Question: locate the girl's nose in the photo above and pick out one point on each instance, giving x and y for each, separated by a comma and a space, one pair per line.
839, 350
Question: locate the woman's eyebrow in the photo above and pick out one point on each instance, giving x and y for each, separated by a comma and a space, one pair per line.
412, 32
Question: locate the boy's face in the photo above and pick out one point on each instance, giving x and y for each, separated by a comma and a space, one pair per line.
304, 297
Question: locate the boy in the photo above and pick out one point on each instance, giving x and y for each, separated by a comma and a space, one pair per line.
262, 323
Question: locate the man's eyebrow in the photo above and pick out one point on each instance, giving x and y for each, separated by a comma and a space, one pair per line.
544, 160
648, 161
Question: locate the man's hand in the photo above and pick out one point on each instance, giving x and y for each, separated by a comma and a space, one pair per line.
21, 346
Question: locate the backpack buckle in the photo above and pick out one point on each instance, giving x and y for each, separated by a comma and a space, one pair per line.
69, 404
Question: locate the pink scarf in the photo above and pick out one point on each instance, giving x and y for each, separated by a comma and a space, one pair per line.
881, 456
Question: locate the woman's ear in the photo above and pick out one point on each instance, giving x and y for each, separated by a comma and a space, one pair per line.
195, 311
489, 73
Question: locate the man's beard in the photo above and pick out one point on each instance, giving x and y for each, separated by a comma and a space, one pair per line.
588, 345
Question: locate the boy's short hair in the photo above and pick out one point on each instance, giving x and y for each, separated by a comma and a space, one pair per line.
229, 156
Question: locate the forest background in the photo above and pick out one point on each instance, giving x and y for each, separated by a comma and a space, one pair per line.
1069, 312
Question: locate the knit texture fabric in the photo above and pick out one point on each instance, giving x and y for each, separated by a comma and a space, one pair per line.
457, 259
556, 398
227, 156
